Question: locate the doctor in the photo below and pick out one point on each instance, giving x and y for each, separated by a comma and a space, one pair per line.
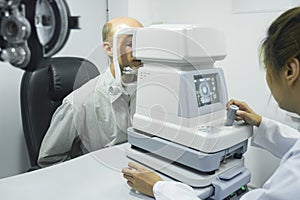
281, 53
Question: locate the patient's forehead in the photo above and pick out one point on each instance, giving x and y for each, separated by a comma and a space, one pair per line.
121, 36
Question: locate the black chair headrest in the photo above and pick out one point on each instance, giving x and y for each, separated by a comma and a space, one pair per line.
67, 74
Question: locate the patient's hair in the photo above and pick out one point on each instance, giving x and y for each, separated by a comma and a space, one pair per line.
107, 32
283, 40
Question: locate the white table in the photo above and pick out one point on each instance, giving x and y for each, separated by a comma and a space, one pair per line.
94, 176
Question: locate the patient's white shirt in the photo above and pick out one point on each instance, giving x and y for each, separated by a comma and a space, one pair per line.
99, 113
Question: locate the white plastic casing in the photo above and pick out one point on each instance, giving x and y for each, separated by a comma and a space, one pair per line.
166, 104
179, 44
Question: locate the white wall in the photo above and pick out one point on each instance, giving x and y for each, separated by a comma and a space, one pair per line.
13, 152
141, 9
244, 32
87, 42
84, 43
117, 8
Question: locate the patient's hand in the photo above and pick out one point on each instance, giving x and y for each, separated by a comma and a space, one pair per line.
140, 178
245, 113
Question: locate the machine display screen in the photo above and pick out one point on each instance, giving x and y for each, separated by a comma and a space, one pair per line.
206, 89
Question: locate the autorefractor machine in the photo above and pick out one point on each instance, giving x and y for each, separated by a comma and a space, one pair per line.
180, 127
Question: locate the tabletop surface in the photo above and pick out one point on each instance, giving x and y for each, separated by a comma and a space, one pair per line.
96, 175
93, 176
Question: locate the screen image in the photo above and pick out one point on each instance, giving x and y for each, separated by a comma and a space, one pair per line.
206, 89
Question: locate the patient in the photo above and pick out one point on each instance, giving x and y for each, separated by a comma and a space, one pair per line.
97, 114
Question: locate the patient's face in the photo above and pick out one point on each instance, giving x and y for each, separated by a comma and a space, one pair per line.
125, 57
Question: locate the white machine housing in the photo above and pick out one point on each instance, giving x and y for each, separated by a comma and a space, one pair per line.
179, 44
178, 127
181, 96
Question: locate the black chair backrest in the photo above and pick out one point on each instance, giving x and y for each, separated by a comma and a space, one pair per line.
43, 90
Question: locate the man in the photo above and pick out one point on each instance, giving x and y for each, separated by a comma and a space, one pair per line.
97, 114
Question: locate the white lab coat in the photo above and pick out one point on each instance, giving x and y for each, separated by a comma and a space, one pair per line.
98, 113
283, 142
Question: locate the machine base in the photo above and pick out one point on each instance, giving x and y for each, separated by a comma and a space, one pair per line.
229, 178
195, 159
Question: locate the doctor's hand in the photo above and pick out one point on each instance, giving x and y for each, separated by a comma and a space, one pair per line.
140, 178
245, 113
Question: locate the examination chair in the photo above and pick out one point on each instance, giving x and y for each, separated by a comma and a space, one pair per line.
43, 90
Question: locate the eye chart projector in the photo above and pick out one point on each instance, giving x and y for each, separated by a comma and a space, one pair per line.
180, 127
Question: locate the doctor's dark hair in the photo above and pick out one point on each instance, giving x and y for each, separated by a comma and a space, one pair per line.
283, 40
